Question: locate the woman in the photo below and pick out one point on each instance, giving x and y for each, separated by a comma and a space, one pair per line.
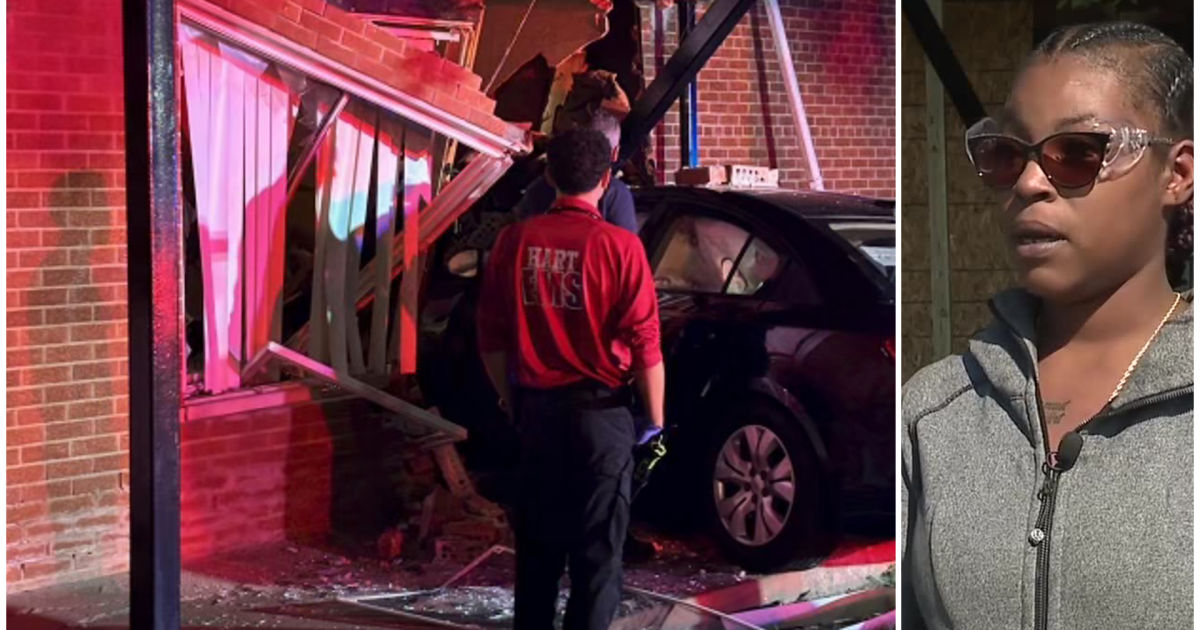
1048, 470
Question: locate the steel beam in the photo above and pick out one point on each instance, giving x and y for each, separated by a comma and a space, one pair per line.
310, 151
681, 69
928, 31
154, 224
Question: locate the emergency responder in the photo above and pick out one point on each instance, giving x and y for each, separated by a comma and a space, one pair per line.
568, 305
598, 103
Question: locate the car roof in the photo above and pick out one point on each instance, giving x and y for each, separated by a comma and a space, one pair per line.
808, 204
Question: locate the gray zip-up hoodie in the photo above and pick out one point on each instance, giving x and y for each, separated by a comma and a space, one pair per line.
1115, 547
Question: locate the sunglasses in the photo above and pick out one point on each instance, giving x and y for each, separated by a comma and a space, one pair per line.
1073, 159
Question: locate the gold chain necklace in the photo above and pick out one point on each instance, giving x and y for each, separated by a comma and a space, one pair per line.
1138, 357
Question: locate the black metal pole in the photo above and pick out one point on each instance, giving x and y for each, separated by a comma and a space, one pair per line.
683, 66
685, 15
155, 227
941, 56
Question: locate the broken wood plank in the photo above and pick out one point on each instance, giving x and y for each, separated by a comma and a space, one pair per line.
453, 472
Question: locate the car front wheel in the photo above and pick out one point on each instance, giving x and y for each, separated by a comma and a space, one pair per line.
768, 503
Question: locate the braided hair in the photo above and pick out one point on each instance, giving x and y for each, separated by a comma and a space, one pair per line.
1159, 72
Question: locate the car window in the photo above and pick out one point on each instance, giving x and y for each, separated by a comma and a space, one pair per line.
877, 240
759, 263
706, 255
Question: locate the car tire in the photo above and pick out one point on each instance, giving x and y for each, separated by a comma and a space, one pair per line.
750, 514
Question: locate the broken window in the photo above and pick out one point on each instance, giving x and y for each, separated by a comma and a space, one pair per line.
306, 199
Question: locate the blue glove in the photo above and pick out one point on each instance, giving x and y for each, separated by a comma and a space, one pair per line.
648, 433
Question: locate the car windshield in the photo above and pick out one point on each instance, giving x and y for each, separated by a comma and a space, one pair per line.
876, 239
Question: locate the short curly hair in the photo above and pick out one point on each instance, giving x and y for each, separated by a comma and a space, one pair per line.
577, 160
1159, 73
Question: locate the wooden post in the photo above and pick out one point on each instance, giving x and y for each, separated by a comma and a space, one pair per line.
939, 222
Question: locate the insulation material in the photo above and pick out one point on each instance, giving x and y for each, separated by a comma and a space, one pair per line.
233, 104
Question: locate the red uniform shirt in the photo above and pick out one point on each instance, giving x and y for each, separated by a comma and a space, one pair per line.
572, 297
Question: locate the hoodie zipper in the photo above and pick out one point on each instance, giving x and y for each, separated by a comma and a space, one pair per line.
1048, 495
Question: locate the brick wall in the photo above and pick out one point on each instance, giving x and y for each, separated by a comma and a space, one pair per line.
66, 367
275, 475
844, 55
990, 39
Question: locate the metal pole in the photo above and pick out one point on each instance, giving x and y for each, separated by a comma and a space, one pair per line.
683, 66
154, 231
783, 50
660, 147
310, 151
685, 16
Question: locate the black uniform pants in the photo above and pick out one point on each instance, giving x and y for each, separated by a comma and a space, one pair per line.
572, 504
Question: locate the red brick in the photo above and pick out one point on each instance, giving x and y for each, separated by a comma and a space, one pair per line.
94, 256
352, 23
68, 469
17, 475
23, 278
291, 11
36, 336
93, 295
63, 160
66, 238
107, 237
314, 6
24, 436
68, 354
110, 312
46, 375
40, 141
24, 357
106, 122
108, 161
71, 505
16, 200
294, 32
93, 371
111, 387
63, 122
75, 543
23, 239
384, 38
111, 463
61, 431
93, 485
365, 48
336, 52
109, 274
26, 318
253, 10
35, 102
68, 393
90, 409
94, 332
42, 414
322, 27
58, 451
44, 568
68, 315
94, 446
24, 512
